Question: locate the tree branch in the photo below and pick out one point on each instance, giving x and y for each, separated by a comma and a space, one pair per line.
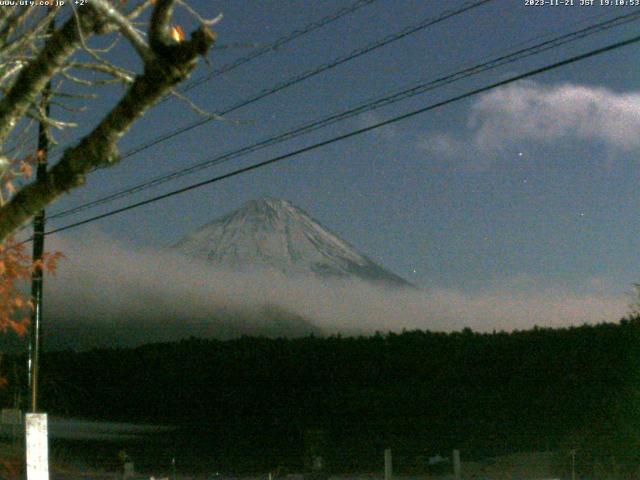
126, 28
172, 64
159, 28
9, 49
33, 78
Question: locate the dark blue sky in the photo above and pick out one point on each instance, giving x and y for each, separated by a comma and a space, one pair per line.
531, 186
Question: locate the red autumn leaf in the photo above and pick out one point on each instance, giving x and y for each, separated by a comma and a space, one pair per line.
16, 267
25, 169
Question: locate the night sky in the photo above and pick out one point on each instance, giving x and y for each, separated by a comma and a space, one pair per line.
529, 188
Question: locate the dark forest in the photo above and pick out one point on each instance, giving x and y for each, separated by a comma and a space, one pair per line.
255, 401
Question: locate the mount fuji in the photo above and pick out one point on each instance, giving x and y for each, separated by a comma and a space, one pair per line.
273, 234
264, 235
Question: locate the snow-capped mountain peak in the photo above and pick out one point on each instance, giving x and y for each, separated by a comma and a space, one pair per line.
273, 233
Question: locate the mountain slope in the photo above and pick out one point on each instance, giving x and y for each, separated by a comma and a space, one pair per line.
272, 233
89, 331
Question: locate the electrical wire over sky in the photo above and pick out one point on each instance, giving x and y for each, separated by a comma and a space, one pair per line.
378, 102
353, 133
273, 46
289, 82
277, 44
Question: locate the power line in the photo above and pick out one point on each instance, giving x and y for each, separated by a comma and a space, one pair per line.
310, 27
367, 106
427, 22
273, 46
354, 133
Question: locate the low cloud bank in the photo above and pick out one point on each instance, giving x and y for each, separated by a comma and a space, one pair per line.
102, 281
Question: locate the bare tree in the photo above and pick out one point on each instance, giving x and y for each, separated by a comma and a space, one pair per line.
32, 54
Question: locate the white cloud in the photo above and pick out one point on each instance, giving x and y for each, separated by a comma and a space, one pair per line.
531, 111
548, 114
106, 279
444, 145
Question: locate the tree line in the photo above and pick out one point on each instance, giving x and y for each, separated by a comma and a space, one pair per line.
418, 392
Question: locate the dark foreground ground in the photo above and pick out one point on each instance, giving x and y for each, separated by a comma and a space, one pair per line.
99, 461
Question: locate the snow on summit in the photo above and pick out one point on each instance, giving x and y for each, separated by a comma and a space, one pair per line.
274, 234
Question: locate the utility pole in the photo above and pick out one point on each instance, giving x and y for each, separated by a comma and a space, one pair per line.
38, 249
388, 464
36, 424
456, 464
37, 281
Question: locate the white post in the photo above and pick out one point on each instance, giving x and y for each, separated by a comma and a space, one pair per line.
37, 446
456, 464
388, 465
